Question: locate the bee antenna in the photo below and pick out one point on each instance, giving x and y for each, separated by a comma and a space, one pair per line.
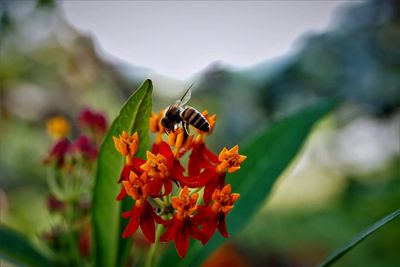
191, 86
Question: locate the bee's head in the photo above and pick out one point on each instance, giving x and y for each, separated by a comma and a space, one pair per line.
164, 122
168, 126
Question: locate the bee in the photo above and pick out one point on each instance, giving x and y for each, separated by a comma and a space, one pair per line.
178, 115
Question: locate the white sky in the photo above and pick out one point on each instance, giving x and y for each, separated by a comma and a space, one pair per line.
178, 38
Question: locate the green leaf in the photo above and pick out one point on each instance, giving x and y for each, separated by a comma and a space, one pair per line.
337, 254
17, 249
268, 155
107, 222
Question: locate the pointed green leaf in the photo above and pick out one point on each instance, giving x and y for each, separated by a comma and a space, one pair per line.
337, 254
107, 222
17, 249
268, 155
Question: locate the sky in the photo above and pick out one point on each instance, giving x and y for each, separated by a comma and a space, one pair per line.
178, 39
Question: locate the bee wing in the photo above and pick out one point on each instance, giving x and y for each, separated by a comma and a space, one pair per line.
186, 97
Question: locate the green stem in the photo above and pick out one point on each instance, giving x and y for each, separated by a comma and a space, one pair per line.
196, 190
159, 202
151, 256
73, 242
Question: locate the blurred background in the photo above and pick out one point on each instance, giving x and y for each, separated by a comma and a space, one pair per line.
251, 63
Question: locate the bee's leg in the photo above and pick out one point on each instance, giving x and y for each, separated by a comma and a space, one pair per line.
185, 132
186, 127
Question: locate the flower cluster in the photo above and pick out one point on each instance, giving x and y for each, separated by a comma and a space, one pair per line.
71, 165
188, 202
64, 152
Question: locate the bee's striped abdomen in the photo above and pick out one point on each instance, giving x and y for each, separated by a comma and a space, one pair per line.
196, 119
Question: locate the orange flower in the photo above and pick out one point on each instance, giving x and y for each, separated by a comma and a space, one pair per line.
185, 205
58, 127
136, 187
214, 216
159, 170
153, 177
223, 199
230, 160
155, 166
127, 145
182, 226
142, 213
156, 127
180, 141
155, 122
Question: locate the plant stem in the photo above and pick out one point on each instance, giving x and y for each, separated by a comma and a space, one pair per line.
73, 243
151, 256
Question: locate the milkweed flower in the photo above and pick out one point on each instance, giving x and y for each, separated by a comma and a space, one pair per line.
84, 147
156, 169
142, 213
150, 182
182, 225
214, 216
230, 160
58, 127
214, 171
94, 121
127, 145
71, 161
58, 153
156, 126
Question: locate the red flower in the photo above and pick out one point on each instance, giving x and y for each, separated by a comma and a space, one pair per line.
201, 157
214, 177
134, 167
54, 204
153, 178
95, 121
59, 152
182, 225
162, 169
214, 216
84, 146
142, 213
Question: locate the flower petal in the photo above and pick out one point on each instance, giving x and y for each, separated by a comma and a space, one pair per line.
210, 155
222, 225
122, 194
136, 163
133, 224
171, 231
147, 223
165, 150
209, 190
198, 234
155, 186
167, 187
182, 239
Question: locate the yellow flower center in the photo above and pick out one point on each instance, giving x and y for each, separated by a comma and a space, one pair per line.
186, 204
136, 187
127, 145
230, 160
155, 166
223, 199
